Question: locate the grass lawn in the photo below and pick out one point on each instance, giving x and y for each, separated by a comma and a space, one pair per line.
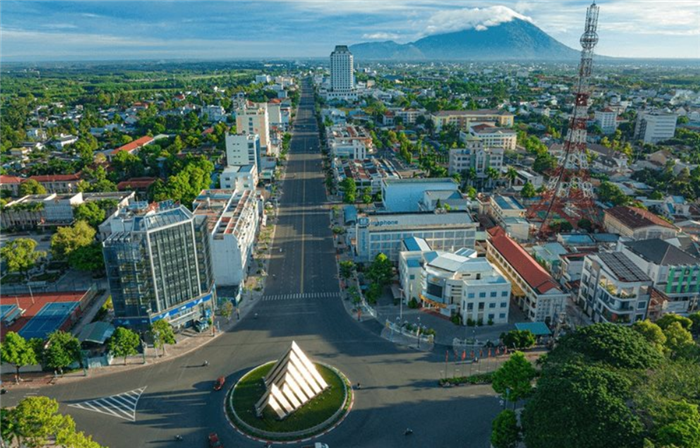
313, 413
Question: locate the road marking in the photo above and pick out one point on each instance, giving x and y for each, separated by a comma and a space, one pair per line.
121, 405
303, 222
313, 295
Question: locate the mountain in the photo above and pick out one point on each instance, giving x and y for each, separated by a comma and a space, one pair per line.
514, 40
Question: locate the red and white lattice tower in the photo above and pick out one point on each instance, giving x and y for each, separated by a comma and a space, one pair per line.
569, 194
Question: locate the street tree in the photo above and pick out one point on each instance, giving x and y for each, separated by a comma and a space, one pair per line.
20, 255
347, 267
62, 350
226, 309
36, 420
68, 239
513, 380
349, 189
520, 339
381, 270
367, 195
124, 342
505, 432
30, 186
163, 334
17, 351
89, 212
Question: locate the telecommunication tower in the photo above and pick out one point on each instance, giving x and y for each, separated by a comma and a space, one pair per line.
569, 194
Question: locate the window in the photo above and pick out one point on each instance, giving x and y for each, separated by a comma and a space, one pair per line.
470, 306
641, 305
494, 293
502, 316
481, 306
504, 304
492, 305
491, 316
471, 295
482, 295
504, 293
412, 277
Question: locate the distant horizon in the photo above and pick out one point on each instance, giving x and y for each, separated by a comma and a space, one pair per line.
35, 31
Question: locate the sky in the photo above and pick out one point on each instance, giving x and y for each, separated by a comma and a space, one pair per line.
198, 29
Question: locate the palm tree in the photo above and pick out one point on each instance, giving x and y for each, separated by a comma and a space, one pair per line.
511, 174
492, 174
468, 176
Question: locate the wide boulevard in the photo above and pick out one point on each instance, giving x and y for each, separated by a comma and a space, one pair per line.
301, 303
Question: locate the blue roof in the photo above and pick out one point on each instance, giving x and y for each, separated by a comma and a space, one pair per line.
412, 263
537, 328
349, 213
411, 244
508, 203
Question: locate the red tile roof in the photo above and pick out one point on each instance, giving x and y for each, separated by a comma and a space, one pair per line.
136, 183
637, 218
10, 179
138, 143
523, 263
56, 178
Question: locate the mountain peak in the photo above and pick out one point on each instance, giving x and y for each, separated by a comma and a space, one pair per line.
513, 39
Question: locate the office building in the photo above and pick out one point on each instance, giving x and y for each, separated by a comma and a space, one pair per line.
614, 289
253, 119
233, 219
383, 233
534, 290
607, 120
242, 149
655, 126
454, 283
673, 271
158, 263
477, 156
492, 136
405, 195
463, 119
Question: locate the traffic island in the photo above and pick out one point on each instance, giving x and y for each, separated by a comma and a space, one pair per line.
316, 416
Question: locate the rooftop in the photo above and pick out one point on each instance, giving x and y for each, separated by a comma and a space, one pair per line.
622, 267
507, 203
661, 252
392, 221
134, 144
480, 112
637, 218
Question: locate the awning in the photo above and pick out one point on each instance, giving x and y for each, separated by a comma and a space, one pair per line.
97, 332
537, 328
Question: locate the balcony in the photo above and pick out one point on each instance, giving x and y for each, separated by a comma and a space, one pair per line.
619, 293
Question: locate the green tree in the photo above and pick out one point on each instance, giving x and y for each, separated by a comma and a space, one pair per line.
511, 175
528, 191
20, 255
30, 186
226, 309
163, 334
87, 258
608, 192
670, 318
652, 333
695, 319
123, 342
347, 267
677, 337
17, 351
349, 189
581, 406
519, 339
513, 380
505, 432
544, 162
62, 350
585, 224
677, 424
367, 195
68, 437
89, 212
68, 239
36, 420
381, 270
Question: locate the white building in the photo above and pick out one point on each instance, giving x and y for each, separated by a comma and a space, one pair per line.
233, 219
405, 195
342, 74
476, 156
607, 120
503, 207
239, 177
455, 283
348, 149
214, 113
253, 119
383, 233
655, 126
492, 136
614, 289
242, 149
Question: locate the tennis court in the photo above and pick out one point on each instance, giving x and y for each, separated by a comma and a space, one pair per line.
48, 319
5, 310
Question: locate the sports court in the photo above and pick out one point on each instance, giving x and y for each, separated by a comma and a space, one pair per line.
37, 315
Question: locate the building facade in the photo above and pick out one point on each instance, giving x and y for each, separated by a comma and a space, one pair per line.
607, 120
239, 177
463, 119
242, 149
342, 70
637, 223
159, 266
655, 126
477, 156
405, 195
253, 119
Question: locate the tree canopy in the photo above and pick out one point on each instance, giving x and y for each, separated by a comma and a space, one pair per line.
124, 342
20, 255
18, 351
68, 239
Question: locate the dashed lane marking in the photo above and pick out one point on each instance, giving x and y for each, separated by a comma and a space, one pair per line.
311, 295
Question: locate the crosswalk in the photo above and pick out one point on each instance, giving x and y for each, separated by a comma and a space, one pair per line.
121, 405
299, 296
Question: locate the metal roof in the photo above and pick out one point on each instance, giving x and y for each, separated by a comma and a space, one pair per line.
622, 267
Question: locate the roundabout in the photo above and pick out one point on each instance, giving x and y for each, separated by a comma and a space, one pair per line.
317, 416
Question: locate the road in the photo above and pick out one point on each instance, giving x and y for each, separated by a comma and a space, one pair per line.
301, 303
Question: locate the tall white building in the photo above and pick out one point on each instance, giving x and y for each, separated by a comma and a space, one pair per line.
475, 155
655, 126
242, 149
342, 71
254, 120
607, 120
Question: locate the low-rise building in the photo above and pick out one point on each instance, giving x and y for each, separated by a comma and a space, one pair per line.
534, 289
405, 195
133, 147
233, 219
239, 177
62, 141
11, 184
58, 183
673, 271
492, 136
503, 207
214, 113
613, 289
462, 119
349, 141
367, 173
475, 155
637, 223
383, 233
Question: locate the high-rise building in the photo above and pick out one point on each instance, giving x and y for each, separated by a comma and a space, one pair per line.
342, 71
159, 266
655, 126
253, 119
243, 149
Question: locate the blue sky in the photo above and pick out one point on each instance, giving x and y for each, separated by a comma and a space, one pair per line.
89, 30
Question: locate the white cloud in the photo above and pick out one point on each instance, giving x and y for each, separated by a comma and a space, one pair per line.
450, 20
380, 36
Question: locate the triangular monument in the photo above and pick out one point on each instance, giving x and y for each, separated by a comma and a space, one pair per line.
292, 382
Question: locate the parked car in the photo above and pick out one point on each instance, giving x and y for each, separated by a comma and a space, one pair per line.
219, 383
214, 441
